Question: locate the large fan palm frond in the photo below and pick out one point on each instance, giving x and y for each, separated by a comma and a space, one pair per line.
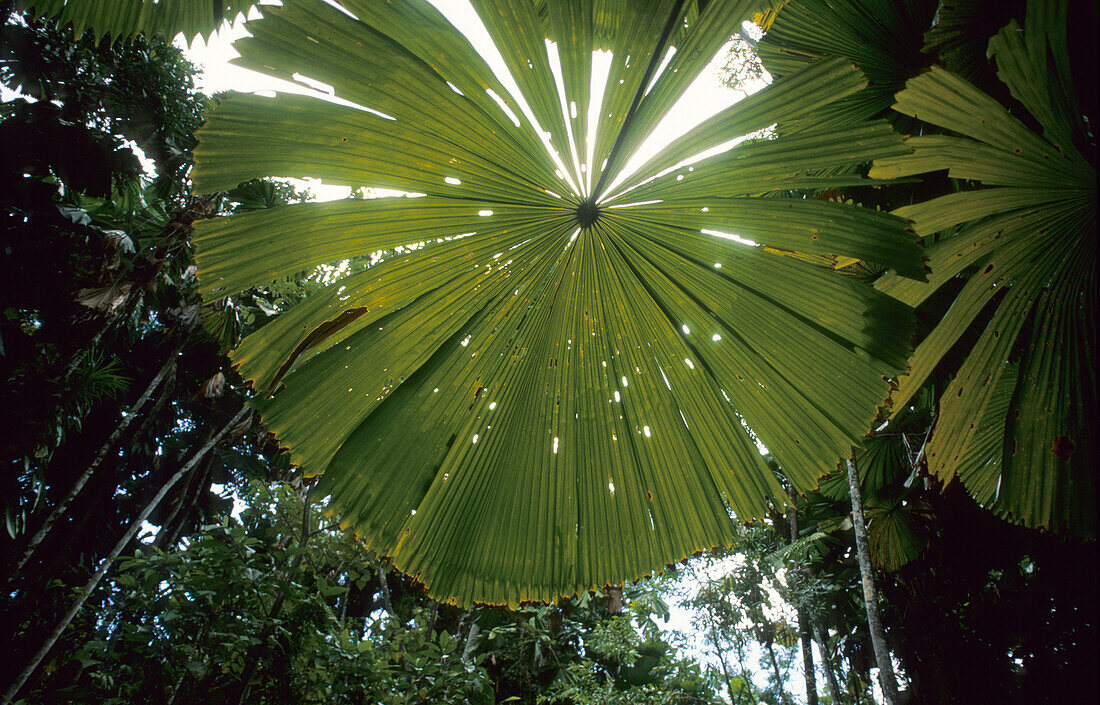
960, 36
120, 19
1016, 420
882, 37
553, 382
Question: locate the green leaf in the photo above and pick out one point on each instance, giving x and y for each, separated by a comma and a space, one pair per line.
121, 19
541, 385
896, 531
1026, 386
882, 37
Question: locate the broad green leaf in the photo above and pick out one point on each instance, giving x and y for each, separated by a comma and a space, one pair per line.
543, 388
120, 19
1015, 421
882, 37
896, 531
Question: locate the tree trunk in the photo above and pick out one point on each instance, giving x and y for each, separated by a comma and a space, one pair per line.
827, 663
433, 614
188, 498
886, 675
93, 582
176, 687
804, 625
726, 675
778, 677
725, 669
127, 418
386, 602
163, 397
711, 636
614, 599
806, 638
739, 647
471, 642
344, 606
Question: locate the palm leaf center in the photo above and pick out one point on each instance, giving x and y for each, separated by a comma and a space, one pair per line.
510, 411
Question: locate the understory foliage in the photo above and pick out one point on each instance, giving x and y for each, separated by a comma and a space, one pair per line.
189, 624
529, 383
109, 381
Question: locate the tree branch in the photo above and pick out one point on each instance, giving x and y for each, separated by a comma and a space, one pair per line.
93, 582
127, 419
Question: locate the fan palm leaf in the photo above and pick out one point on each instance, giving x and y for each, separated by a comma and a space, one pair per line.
551, 382
1015, 421
882, 37
120, 19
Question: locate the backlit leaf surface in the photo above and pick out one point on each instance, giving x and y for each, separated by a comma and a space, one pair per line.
120, 19
562, 382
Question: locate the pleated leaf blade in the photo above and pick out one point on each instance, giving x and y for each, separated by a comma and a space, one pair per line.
120, 19
547, 389
1015, 420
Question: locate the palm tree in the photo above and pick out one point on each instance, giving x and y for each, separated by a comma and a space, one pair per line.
1015, 437
1015, 421
554, 379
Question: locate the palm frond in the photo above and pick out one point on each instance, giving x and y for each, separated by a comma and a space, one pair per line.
548, 387
120, 19
1030, 232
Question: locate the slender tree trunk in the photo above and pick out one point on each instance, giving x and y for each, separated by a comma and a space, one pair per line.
778, 677
808, 667
127, 419
742, 671
172, 527
176, 688
344, 606
804, 625
827, 664
432, 615
386, 602
807, 657
471, 642
93, 582
886, 675
163, 397
726, 675
614, 599
712, 636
